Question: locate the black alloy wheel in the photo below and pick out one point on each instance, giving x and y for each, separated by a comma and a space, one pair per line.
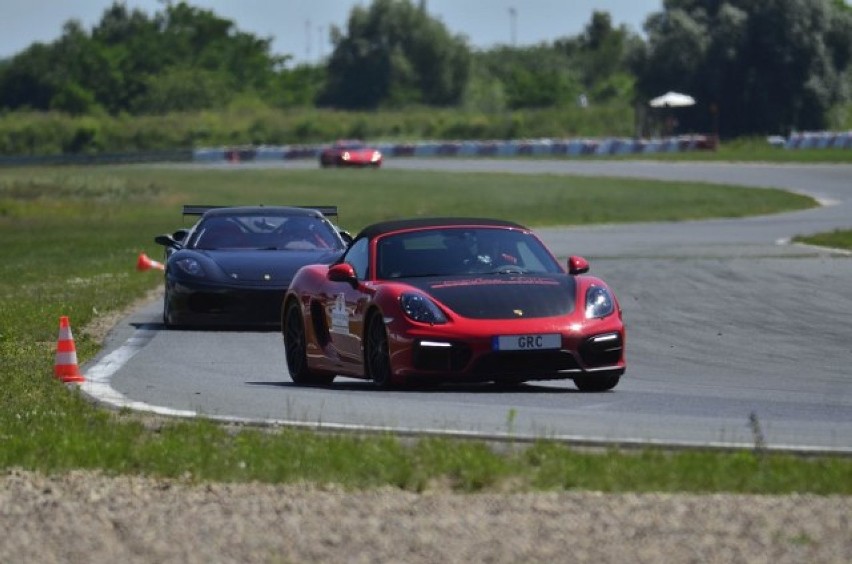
377, 353
295, 348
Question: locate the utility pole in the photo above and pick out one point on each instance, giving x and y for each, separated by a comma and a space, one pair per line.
513, 26
308, 35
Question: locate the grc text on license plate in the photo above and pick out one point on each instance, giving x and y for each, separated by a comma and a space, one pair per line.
526, 342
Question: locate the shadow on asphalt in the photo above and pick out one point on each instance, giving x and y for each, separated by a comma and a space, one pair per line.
449, 388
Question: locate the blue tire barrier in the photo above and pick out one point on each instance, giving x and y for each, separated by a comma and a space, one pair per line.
301, 152
814, 140
487, 148
267, 153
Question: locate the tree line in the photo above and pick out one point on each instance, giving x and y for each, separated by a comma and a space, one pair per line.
764, 67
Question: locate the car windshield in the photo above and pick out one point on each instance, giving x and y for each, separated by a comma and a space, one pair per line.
272, 232
462, 251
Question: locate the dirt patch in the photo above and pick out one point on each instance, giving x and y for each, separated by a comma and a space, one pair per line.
87, 517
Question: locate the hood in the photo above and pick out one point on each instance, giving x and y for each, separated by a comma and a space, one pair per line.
502, 296
267, 266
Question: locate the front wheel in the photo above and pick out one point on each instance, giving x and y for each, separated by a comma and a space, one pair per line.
377, 353
296, 349
167, 310
596, 382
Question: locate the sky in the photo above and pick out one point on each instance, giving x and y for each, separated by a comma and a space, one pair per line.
300, 27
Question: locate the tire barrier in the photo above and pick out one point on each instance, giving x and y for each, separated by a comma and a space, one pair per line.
511, 148
815, 140
494, 148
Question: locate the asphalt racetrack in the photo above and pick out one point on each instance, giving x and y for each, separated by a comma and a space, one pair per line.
735, 337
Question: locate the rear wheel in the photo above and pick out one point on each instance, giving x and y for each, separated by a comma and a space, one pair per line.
596, 382
296, 347
377, 354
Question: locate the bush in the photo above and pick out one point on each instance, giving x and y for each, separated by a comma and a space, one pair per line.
249, 122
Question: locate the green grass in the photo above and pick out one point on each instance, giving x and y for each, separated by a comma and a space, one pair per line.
70, 240
838, 239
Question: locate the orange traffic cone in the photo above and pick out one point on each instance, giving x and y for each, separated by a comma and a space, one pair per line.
65, 367
145, 263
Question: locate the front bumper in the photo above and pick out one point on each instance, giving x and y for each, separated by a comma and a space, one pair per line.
473, 360
209, 305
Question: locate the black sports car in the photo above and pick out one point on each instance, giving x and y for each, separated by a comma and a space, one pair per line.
234, 264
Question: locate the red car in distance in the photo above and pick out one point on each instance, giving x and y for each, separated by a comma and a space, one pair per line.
452, 300
350, 153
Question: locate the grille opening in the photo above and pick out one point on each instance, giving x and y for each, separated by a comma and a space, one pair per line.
453, 358
209, 303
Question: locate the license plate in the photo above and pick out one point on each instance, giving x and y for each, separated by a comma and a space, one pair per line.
526, 342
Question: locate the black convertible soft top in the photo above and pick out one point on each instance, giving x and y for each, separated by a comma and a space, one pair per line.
422, 222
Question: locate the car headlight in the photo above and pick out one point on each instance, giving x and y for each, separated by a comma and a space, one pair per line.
376, 156
190, 266
420, 308
599, 302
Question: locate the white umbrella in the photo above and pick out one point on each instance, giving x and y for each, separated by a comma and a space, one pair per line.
672, 100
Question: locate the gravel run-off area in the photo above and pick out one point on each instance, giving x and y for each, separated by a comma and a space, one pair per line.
84, 516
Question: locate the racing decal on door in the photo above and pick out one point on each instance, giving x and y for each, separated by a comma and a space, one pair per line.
339, 317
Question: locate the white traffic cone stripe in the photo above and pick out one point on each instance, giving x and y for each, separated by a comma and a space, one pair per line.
66, 358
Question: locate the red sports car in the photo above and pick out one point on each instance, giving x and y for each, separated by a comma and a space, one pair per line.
452, 300
350, 153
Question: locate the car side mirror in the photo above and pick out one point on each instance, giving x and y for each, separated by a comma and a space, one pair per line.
343, 272
167, 241
577, 265
346, 236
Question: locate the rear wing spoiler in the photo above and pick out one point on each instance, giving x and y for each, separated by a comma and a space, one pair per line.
328, 211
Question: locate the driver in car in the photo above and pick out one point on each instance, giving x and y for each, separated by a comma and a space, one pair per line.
494, 252
302, 233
